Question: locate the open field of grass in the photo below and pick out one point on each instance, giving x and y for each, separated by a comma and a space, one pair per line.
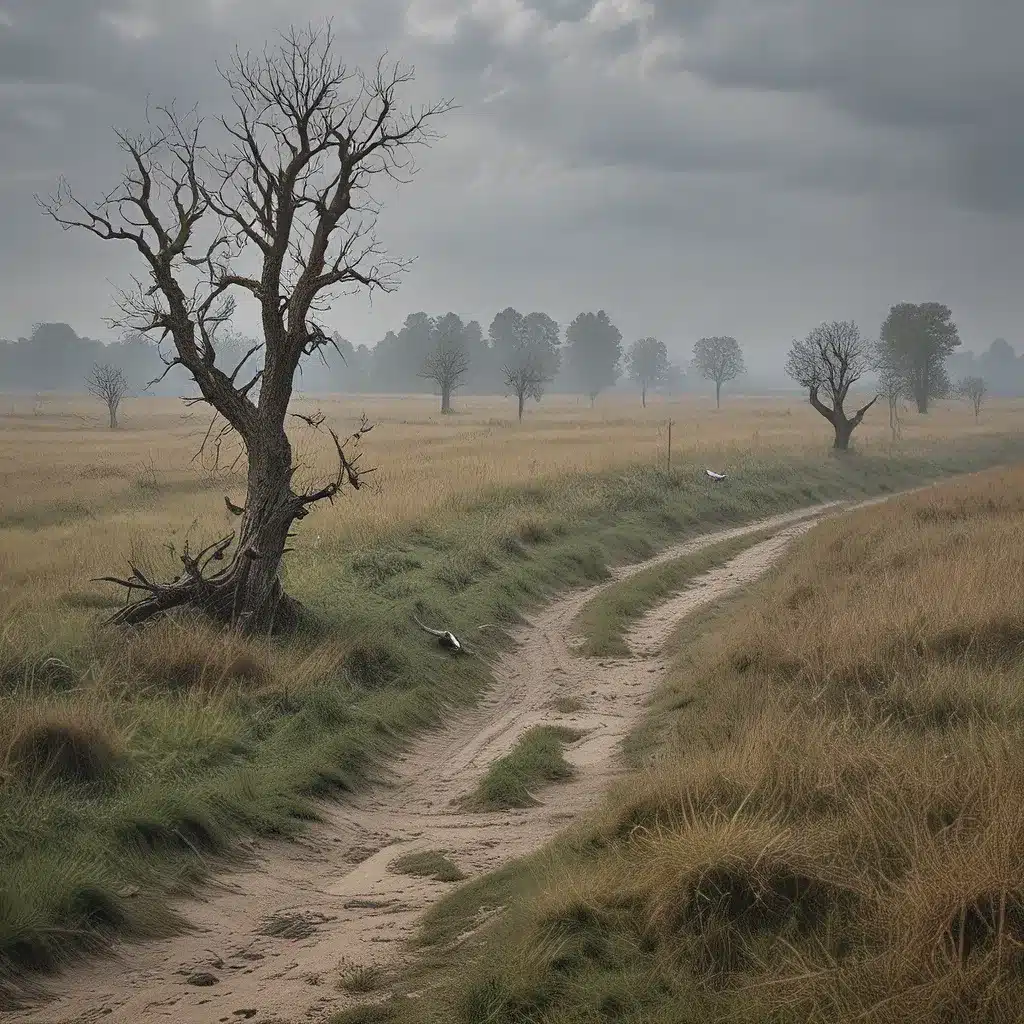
127, 762
831, 828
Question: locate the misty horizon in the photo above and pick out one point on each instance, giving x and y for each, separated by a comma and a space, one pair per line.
792, 165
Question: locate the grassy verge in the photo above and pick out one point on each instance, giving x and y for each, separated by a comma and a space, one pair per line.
128, 765
834, 824
604, 620
428, 864
535, 759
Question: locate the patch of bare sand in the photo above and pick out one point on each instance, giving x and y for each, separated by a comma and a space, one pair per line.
272, 942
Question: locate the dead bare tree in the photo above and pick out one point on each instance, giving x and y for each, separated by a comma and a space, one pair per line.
291, 188
108, 384
526, 378
828, 362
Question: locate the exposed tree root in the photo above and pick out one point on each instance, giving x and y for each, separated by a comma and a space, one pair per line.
221, 597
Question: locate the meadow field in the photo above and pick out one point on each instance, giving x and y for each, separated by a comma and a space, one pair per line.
127, 761
825, 817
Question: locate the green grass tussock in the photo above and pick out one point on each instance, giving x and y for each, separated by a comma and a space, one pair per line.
132, 759
537, 758
428, 864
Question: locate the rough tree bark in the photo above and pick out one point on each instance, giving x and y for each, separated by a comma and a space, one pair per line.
308, 138
842, 424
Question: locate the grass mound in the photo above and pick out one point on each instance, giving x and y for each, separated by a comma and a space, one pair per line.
832, 825
428, 864
58, 750
537, 758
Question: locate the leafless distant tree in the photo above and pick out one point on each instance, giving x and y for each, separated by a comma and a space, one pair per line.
526, 378
290, 194
974, 389
893, 384
828, 362
447, 364
108, 384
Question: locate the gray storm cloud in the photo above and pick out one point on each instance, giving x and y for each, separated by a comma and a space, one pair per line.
741, 167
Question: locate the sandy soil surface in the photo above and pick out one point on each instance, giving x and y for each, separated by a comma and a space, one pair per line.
336, 901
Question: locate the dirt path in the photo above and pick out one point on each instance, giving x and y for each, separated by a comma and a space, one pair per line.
331, 893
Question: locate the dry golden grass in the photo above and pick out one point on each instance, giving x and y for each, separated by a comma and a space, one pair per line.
125, 758
76, 498
833, 829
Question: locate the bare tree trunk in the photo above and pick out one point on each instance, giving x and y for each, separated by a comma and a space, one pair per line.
247, 593
446, 399
112, 409
643, 395
844, 430
522, 401
921, 394
718, 394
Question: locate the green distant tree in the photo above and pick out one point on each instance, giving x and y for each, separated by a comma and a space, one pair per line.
647, 362
922, 336
719, 359
594, 347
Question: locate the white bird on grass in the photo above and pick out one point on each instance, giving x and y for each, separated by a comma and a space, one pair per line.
445, 637
714, 476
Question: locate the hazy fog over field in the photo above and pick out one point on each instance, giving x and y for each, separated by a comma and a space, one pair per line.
743, 167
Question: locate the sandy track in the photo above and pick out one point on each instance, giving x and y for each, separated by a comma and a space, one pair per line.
348, 907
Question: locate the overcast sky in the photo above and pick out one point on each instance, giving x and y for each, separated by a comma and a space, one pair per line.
744, 167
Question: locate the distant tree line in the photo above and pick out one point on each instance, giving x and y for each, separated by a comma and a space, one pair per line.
521, 355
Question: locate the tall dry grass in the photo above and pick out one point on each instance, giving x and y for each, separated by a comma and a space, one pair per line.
832, 828
76, 498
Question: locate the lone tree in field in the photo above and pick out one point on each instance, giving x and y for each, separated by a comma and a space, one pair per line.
525, 379
828, 362
594, 345
921, 338
647, 361
448, 362
719, 359
290, 196
528, 349
974, 389
108, 384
